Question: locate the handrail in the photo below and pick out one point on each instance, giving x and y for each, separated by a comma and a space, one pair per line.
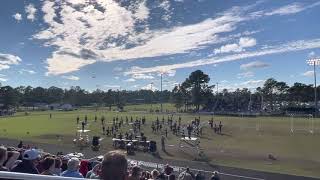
19, 176
15, 175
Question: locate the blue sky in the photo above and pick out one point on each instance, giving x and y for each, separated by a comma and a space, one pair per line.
112, 44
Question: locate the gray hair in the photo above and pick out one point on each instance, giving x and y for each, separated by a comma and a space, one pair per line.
73, 164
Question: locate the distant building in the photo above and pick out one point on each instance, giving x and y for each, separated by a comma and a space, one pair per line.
6, 111
66, 107
41, 106
54, 106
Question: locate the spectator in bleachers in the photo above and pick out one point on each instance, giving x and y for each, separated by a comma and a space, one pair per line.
84, 167
48, 165
168, 170
12, 156
30, 159
199, 176
73, 169
135, 173
145, 175
39, 165
155, 173
95, 172
185, 176
3, 158
172, 177
57, 167
215, 176
114, 166
64, 165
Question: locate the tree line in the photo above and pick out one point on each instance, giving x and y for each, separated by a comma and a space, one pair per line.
193, 94
28, 96
273, 96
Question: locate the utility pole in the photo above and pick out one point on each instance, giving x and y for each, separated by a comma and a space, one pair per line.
151, 84
315, 89
161, 93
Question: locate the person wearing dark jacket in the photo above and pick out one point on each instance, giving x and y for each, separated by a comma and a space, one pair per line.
29, 162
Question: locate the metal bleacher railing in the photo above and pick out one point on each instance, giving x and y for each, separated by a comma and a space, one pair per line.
143, 164
14, 175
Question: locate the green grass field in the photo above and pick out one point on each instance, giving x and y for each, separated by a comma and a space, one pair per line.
240, 146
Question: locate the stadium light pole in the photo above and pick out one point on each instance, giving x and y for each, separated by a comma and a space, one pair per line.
161, 92
314, 62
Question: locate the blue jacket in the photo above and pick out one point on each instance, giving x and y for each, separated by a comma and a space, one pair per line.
75, 174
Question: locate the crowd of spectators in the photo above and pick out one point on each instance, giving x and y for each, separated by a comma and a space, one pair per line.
112, 166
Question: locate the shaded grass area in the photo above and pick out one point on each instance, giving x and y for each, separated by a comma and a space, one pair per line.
241, 145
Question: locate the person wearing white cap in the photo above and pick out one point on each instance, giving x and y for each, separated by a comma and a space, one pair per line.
30, 159
73, 169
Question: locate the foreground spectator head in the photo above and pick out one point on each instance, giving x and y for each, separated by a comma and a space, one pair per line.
48, 165
30, 160
215, 176
114, 166
3, 158
73, 169
155, 173
32, 155
167, 169
3, 155
185, 175
73, 164
135, 171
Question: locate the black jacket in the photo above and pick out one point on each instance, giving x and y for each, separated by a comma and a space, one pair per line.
26, 166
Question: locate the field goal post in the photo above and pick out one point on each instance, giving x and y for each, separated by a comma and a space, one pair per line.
308, 126
257, 121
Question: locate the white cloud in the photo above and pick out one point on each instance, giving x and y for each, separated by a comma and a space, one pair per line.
29, 71
3, 79
116, 77
308, 74
250, 84
109, 86
61, 64
107, 31
237, 47
283, 48
171, 73
291, 9
17, 17
86, 27
311, 54
142, 76
7, 59
142, 12
247, 74
149, 87
165, 5
254, 65
117, 69
31, 12
247, 42
71, 77
130, 80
